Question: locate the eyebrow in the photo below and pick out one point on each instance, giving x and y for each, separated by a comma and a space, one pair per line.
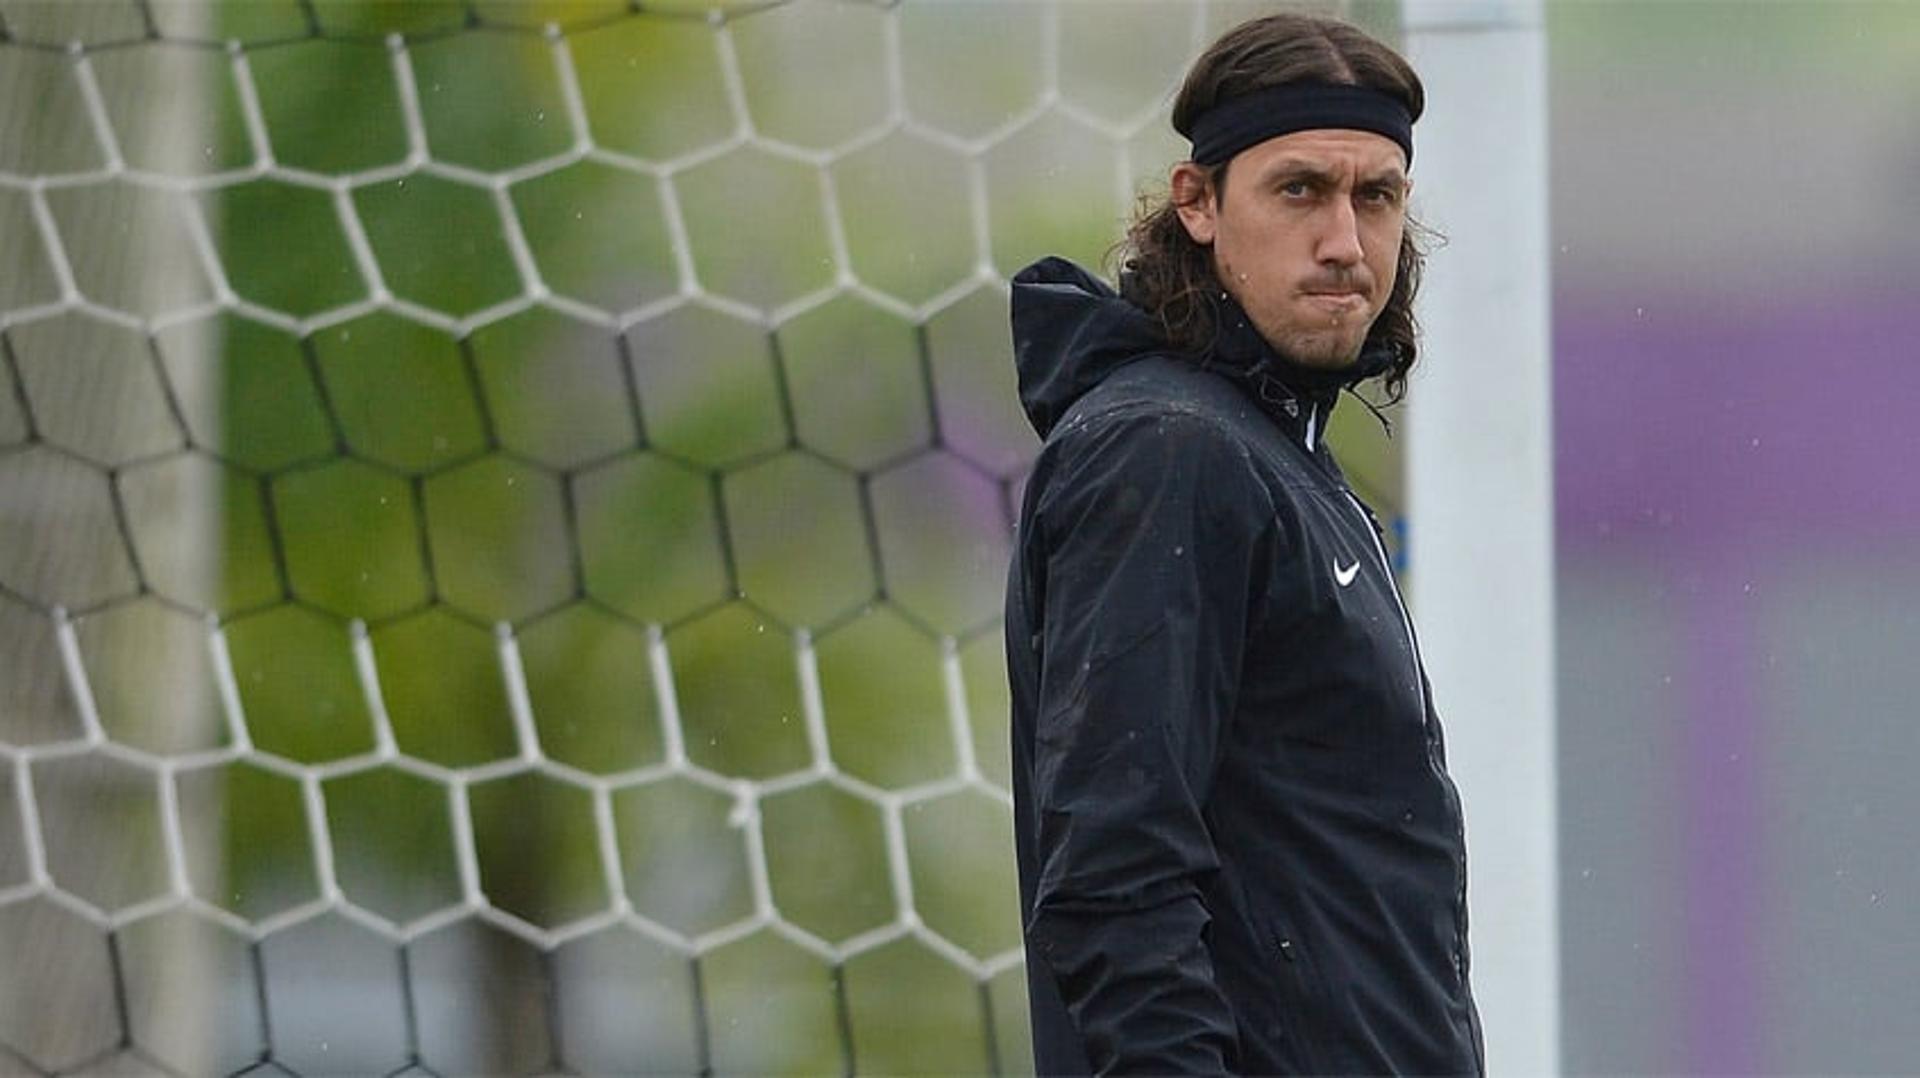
1294, 168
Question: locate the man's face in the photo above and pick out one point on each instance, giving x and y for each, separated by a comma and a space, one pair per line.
1305, 235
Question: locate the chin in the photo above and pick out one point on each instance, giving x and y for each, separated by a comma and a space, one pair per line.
1318, 345
1323, 352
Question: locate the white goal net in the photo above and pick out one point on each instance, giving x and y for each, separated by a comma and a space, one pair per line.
503, 513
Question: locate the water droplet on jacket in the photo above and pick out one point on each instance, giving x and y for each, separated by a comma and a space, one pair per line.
1179, 550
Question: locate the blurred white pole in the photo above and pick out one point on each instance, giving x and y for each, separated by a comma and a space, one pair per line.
1480, 493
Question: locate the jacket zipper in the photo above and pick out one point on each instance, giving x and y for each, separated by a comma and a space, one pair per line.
1426, 721
1386, 566
1458, 957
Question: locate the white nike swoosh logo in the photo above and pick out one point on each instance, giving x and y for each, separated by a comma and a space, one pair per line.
1343, 577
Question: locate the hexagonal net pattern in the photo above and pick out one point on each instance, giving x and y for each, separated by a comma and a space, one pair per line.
503, 512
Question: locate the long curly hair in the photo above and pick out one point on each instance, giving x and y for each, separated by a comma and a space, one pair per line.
1161, 268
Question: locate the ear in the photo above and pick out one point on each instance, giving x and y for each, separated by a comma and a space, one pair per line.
1193, 200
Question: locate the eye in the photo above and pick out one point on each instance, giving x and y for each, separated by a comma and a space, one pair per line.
1296, 188
1380, 195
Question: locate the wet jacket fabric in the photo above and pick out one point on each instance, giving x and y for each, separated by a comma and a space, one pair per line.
1238, 847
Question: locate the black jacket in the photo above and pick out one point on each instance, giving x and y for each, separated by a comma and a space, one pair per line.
1238, 846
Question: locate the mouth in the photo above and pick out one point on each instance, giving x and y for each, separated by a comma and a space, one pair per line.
1343, 302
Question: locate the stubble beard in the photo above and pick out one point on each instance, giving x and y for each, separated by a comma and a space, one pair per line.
1333, 347
1320, 340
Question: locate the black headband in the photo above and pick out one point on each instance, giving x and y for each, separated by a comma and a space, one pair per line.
1250, 119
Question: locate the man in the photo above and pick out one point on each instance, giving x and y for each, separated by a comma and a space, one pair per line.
1238, 846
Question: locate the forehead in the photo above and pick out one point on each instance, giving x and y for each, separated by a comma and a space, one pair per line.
1327, 150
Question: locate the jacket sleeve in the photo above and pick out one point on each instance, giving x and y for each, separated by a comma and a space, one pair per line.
1154, 535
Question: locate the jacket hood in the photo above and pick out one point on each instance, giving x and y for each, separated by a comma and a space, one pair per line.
1071, 330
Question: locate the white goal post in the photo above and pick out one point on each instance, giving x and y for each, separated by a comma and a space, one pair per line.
1480, 491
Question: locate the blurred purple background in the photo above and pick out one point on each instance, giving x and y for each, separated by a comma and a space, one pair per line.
1737, 296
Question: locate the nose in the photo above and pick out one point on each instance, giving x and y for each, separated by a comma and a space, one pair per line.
1340, 236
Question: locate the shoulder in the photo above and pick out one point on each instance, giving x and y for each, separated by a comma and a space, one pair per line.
1157, 409
1158, 430
1172, 386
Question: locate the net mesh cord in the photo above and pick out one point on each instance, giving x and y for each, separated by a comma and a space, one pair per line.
503, 514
